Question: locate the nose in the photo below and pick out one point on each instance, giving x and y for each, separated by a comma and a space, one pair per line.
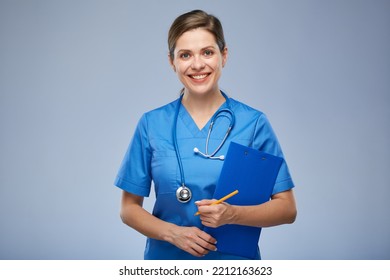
197, 63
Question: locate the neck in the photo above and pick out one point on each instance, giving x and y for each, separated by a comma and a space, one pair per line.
203, 103
202, 108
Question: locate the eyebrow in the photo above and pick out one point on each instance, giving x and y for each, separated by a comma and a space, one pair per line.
202, 49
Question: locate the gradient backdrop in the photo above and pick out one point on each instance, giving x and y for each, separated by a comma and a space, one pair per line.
75, 77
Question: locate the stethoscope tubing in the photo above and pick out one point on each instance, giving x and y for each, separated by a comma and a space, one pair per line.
213, 119
174, 136
206, 155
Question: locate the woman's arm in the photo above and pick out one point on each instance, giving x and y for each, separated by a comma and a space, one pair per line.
281, 209
189, 239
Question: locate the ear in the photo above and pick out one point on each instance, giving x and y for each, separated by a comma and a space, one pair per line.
224, 56
170, 59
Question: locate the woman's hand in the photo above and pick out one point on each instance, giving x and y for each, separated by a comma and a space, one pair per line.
214, 215
279, 210
193, 240
190, 239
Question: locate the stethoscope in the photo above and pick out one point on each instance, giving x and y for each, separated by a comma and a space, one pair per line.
183, 193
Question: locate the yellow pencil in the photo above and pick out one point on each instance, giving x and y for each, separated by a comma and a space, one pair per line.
221, 200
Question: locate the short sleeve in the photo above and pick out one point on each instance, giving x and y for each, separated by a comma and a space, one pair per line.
134, 175
265, 140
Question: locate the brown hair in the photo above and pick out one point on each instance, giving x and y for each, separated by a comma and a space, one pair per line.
192, 20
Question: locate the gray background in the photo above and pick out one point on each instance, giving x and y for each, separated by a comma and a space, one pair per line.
75, 76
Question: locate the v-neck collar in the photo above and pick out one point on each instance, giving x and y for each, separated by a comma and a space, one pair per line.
190, 124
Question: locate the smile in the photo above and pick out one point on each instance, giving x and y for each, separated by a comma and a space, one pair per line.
199, 77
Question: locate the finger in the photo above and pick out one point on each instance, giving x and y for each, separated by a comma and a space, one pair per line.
203, 237
192, 247
208, 220
207, 237
216, 209
204, 202
200, 247
204, 247
209, 224
197, 251
208, 209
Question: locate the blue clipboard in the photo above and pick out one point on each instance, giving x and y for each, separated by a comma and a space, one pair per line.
253, 173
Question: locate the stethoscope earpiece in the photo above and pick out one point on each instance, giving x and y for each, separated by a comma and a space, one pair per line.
196, 151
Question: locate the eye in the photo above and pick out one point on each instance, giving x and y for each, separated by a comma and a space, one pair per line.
185, 55
208, 52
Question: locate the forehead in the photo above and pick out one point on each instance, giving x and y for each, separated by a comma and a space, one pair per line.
195, 39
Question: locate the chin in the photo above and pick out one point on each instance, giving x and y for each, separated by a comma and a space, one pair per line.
200, 92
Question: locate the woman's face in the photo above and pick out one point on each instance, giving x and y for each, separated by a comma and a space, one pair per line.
198, 62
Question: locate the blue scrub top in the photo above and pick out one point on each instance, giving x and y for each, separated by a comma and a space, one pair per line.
151, 158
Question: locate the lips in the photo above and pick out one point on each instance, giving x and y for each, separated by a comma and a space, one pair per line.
199, 77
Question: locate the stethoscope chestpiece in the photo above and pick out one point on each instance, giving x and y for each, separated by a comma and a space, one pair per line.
183, 194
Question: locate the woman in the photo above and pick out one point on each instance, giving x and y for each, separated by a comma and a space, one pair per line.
162, 151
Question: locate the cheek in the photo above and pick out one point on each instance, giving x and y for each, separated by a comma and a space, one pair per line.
217, 64
181, 68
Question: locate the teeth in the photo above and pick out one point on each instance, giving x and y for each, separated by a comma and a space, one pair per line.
198, 77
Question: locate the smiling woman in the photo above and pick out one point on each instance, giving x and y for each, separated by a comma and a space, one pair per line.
198, 63
166, 154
